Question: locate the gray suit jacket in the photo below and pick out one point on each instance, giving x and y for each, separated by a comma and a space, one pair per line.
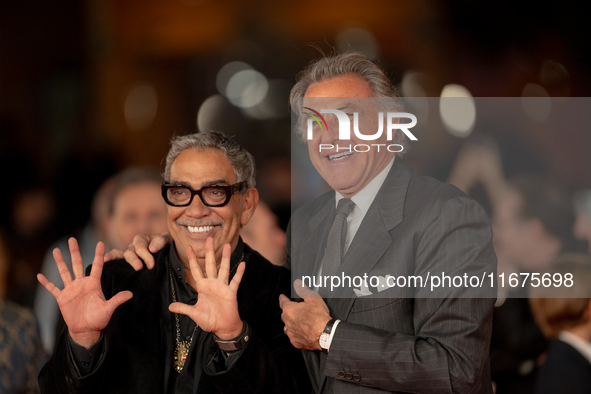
403, 340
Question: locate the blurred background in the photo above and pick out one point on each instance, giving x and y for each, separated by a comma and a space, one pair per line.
89, 88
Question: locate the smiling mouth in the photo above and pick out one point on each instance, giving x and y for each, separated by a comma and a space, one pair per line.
340, 156
200, 229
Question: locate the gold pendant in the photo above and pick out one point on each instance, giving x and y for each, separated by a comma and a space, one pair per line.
180, 355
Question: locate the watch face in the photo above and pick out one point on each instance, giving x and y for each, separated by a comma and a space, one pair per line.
324, 340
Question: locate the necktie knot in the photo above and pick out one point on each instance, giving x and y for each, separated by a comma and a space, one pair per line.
346, 206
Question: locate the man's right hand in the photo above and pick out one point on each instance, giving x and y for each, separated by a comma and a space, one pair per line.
83, 305
141, 248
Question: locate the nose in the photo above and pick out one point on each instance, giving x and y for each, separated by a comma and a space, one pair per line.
331, 133
197, 209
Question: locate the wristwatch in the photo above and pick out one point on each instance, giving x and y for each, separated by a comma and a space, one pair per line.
234, 344
325, 336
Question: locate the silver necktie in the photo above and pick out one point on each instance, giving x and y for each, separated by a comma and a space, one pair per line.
335, 245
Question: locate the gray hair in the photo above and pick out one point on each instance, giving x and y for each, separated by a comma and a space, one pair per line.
339, 65
241, 160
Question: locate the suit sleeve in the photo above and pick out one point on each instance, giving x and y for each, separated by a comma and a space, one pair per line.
448, 352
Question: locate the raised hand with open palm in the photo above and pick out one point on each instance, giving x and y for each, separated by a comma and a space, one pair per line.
84, 307
216, 309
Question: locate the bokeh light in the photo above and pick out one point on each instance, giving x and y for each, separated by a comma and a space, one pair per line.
536, 102
247, 88
227, 72
457, 110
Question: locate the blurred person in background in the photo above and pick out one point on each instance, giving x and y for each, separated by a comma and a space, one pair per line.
532, 221
479, 164
582, 226
532, 224
275, 181
264, 235
135, 207
21, 353
126, 204
567, 322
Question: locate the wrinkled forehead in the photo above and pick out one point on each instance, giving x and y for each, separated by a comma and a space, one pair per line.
202, 166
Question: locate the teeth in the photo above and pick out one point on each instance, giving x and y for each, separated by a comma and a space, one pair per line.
200, 229
340, 156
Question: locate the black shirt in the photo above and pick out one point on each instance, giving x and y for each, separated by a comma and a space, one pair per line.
87, 360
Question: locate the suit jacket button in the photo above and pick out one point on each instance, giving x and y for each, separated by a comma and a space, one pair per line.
349, 376
357, 377
341, 374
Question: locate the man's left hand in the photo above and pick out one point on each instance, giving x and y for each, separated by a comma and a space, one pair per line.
216, 309
304, 321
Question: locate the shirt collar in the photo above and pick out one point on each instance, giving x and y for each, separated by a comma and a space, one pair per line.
365, 196
579, 344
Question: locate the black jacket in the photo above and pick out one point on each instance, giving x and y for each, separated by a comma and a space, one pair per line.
565, 371
139, 340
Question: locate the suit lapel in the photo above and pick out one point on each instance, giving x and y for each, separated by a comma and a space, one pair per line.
386, 212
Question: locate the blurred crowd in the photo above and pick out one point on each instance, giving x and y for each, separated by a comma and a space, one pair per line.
541, 340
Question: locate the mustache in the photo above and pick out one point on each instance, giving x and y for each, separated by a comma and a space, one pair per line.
198, 223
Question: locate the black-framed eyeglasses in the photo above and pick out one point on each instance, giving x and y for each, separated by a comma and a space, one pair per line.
211, 196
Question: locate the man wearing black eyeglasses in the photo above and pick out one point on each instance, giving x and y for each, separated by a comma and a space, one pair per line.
205, 319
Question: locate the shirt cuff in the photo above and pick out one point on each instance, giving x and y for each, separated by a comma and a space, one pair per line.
230, 359
85, 360
334, 329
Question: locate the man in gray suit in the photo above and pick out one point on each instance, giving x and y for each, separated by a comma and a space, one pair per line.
397, 223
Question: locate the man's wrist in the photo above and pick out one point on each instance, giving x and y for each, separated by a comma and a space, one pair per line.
236, 343
85, 340
325, 339
229, 335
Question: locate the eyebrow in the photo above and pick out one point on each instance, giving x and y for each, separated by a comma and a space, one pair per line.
209, 183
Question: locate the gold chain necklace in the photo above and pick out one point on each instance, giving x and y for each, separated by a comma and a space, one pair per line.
182, 347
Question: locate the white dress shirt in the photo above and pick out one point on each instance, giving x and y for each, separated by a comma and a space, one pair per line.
363, 200
579, 344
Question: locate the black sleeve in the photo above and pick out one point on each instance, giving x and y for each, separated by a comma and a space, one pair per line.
85, 360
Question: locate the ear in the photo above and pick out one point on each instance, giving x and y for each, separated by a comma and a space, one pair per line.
251, 200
